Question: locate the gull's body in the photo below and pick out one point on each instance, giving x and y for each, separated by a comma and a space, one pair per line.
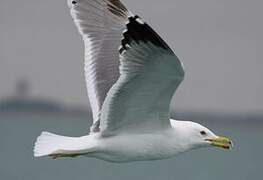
125, 147
130, 91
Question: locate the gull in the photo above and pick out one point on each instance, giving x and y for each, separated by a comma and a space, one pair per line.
131, 76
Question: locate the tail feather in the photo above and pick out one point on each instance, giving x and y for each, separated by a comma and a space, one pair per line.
49, 144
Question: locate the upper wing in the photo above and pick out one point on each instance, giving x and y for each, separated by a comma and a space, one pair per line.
149, 75
100, 22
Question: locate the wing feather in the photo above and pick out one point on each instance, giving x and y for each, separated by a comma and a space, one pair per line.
150, 73
133, 93
100, 22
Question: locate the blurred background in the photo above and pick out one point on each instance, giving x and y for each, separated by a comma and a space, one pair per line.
42, 87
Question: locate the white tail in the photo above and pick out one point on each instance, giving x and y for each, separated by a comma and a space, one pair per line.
48, 144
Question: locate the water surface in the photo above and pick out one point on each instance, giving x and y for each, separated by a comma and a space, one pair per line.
18, 133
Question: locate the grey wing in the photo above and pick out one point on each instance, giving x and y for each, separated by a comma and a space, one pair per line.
149, 75
100, 22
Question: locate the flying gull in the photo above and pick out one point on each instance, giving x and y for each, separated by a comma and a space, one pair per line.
131, 76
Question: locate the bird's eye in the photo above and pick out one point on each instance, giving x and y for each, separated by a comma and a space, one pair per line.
203, 133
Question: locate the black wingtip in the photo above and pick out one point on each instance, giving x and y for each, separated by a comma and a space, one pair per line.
139, 31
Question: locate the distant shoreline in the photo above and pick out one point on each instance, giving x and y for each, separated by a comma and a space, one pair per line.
200, 117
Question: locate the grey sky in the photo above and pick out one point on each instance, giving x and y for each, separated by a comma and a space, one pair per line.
219, 41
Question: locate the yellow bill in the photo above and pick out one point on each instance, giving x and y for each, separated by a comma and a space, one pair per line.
222, 142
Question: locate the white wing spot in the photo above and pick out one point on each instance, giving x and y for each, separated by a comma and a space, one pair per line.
139, 20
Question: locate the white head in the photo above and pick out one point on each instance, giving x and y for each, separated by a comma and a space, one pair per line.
193, 135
